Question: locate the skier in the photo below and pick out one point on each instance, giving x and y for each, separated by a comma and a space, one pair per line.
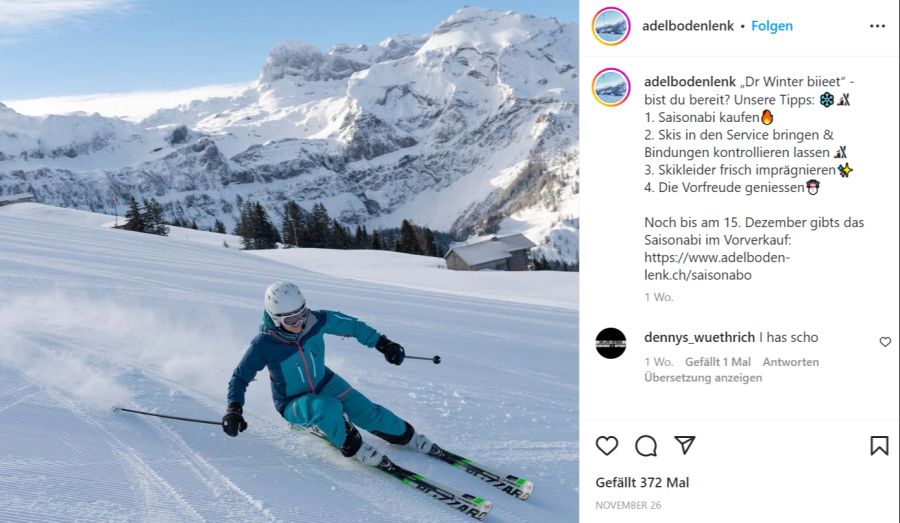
305, 391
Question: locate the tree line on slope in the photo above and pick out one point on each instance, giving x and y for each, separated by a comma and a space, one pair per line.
300, 228
148, 219
316, 228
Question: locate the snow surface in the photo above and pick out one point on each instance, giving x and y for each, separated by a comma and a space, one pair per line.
551, 288
93, 317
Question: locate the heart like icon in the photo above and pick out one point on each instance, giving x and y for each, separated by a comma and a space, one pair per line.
885, 341
607, 444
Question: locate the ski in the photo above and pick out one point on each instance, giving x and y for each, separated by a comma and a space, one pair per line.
468, 504
512, 485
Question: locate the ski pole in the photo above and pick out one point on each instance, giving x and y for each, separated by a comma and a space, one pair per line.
115, 409
435, 359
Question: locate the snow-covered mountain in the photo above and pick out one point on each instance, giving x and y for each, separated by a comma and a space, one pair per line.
471, 128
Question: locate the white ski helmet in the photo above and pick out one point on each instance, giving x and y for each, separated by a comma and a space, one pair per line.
284, 299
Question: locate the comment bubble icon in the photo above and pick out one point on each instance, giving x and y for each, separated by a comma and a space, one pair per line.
645, 446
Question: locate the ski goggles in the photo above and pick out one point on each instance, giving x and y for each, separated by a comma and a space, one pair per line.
292, 319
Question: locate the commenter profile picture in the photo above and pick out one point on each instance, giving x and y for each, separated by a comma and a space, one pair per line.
611, 87
610, 343
611, 26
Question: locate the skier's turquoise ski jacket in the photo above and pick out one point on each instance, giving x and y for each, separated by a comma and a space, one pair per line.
296, 362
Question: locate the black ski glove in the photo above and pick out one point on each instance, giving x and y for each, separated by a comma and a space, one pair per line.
233, 422
393, 351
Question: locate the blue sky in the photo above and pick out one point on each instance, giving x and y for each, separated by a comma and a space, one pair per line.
72, 47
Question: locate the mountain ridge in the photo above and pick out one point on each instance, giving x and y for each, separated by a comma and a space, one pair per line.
433, 128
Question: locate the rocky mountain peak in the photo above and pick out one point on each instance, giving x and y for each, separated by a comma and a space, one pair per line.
306, 62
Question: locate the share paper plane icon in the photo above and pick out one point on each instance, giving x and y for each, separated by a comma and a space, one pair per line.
686, 442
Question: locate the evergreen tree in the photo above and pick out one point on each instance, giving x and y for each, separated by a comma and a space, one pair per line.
340, 238
255, 229
429, 241
219, 227
146, 218
134, 217
292, 224
376, 241
244, 226
153, 218
194, 224
267, 236
359, 238
304, 229
317, 226
408, 242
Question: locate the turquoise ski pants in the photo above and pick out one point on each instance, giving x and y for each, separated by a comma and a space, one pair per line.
325, 410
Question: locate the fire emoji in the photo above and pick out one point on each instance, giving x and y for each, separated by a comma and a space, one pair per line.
767, 117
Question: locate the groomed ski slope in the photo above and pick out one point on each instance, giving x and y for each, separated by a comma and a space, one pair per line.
92, 317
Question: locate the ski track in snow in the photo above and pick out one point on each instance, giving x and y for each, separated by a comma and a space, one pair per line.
160, 324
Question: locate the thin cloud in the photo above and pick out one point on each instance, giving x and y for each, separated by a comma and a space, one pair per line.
20, 16
133, 106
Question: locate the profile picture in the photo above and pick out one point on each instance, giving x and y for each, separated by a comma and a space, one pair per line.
610, 343
611, 26
611, 87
